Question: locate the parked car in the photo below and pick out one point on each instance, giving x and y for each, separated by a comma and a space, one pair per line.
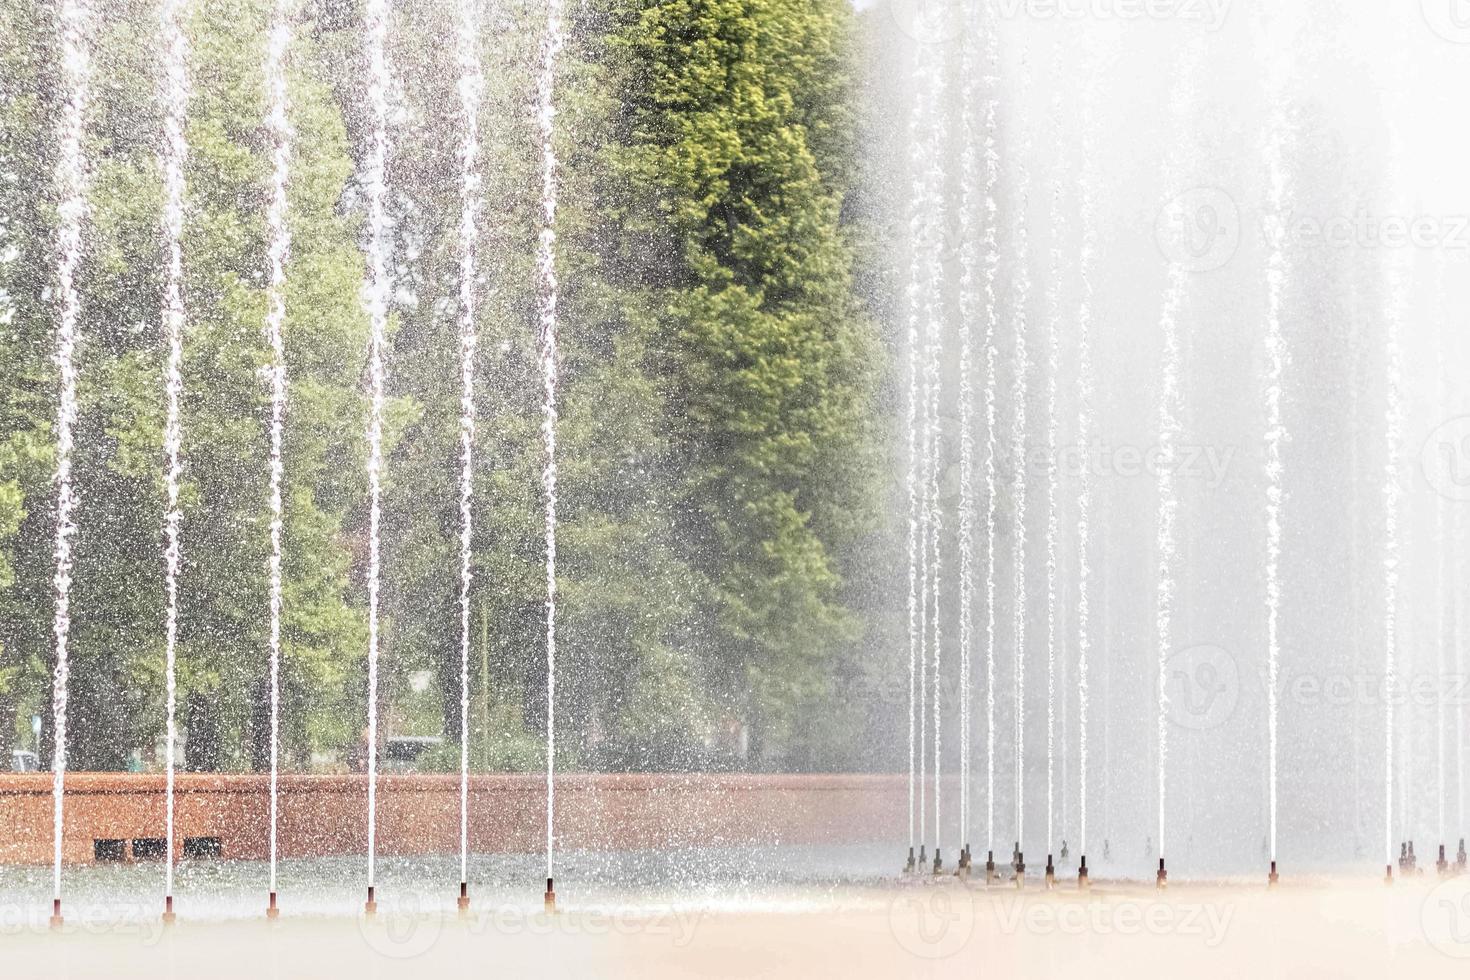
402, 753
23, 761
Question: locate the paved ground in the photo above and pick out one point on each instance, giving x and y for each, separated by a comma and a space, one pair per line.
1418, 929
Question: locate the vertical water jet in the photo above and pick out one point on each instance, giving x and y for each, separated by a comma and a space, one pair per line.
376, 297
175, 98
471, 84
74, 22
547, 351
279, 128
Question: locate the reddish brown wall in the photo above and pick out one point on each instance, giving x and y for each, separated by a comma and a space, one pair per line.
419, 814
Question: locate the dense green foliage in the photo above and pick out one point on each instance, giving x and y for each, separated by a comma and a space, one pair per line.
719, 425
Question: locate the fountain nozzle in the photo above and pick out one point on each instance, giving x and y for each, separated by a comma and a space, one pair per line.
550, 896
962, 870
938, 864
1162, 878
908, 867
271, 912
1082, 881
1020, 870
168, 910
56, 920
1442, 866
371, 908
1460, 857
1388, 874
1272, 878
464, 896
1051, 873
990, 867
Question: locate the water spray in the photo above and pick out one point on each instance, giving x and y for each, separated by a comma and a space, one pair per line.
376, 297
175, 97
549, 354
71, 180
470, 85
279, 128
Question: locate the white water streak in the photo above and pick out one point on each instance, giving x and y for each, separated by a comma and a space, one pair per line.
1053, 363
471, 85
278, 251
971, 194
1392, 495
1169, 408
1085, 388
175, 96
992, 328
1276, 434
74, 18
1019, 395
546, 296
376, 299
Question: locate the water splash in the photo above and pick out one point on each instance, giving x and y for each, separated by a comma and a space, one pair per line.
925, 234
175, 97
992, 329
1169, 428
471, 84
971, 194
1019, 394
1392, 494
376, 299
1053, 529
278, 251
1087, 217
546, 299
75, 19
1277, 271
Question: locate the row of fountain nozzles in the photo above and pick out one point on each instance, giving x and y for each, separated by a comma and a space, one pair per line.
916, 864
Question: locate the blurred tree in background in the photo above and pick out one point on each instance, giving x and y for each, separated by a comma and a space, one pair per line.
719, 437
